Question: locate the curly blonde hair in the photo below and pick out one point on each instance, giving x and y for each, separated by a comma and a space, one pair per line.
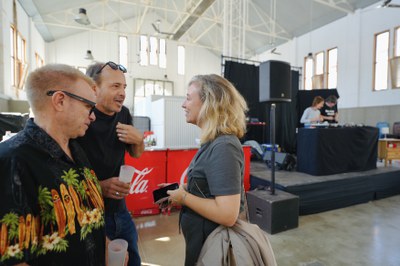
223, 111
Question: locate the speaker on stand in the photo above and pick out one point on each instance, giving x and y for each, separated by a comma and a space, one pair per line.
274, 211
275, 87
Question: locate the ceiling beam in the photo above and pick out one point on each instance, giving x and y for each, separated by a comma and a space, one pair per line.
204, 32
334, 4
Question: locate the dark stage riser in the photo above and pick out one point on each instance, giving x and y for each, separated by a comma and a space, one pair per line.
324, 193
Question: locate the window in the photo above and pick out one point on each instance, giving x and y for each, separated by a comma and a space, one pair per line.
395, 61
318, 78
181, 60
317, 74
319, 63
148, 87
332, 68
308, 72
39, 60
153, 51
396, 46
13, 59
163, 54
144, 47
123, 50
18, 66
381, 61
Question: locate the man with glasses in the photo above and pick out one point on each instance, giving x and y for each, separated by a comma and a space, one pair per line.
51, 211
105, 143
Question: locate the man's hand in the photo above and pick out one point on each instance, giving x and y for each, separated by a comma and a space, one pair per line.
130, 135
114, 189
337, 117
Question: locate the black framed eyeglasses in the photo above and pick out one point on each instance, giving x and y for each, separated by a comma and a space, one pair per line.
114, 66
76, 97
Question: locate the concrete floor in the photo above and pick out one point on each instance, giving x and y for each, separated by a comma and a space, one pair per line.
364, 234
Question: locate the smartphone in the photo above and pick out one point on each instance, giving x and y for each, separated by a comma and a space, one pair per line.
160, 194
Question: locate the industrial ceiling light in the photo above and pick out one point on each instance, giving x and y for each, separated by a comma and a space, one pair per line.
82, 17
157, 28
89, 55
387, 3
273, 51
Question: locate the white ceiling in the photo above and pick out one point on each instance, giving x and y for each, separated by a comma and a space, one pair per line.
200, 22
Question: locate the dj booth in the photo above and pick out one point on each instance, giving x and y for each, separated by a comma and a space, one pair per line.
327, 151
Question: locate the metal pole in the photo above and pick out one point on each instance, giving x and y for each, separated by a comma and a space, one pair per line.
272, 134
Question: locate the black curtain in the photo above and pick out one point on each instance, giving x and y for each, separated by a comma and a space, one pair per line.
246, 80
289, 117
245, 77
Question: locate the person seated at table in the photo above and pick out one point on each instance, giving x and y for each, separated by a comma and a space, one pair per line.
312, 114
329, 111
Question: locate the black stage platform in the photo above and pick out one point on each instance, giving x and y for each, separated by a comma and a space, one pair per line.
323, 193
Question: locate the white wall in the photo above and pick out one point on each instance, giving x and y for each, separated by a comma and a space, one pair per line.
104, 47
353, 35
169, 125
6, 20
34, 43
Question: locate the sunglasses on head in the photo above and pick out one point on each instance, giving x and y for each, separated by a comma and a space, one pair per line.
114, 66
76, 97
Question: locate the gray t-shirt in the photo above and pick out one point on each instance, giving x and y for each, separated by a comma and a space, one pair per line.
217, 168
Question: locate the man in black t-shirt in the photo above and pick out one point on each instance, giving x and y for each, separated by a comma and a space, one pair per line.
105, 144
329, 111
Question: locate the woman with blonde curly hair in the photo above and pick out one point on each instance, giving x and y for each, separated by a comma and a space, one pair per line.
214, 193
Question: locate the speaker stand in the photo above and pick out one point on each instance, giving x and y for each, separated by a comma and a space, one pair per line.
272, 134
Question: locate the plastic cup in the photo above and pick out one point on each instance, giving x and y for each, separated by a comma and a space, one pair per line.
126, 173
117, 252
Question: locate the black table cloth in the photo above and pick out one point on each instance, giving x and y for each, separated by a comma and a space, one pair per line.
327, 151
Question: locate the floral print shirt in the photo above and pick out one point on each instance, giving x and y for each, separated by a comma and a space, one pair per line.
52, 211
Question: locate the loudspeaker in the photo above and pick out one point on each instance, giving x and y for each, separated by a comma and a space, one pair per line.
280, 159
273, 213
275, 81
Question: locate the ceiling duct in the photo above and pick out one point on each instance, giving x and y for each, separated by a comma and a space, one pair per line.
192, 18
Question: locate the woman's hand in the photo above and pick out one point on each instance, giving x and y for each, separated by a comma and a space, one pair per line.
178, 196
